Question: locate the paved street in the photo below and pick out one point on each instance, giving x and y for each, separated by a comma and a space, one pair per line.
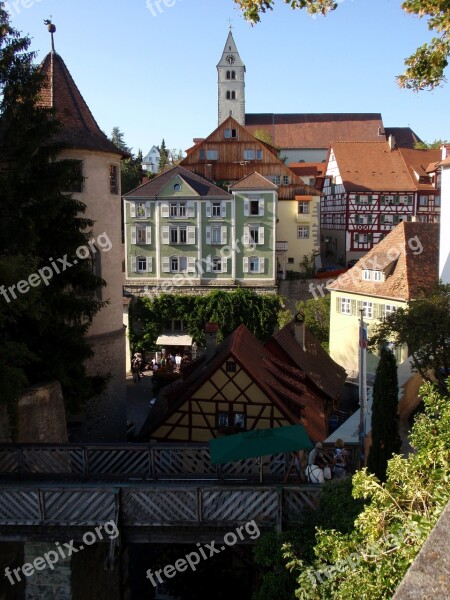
138, 399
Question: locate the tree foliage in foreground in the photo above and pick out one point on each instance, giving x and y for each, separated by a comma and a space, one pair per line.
42, 329
317, 317
385, 420
229, 309
369, 562
425, 327
424, 69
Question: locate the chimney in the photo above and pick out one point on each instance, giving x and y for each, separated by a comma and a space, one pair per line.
391, 142
445, 151
299, 329
211, 330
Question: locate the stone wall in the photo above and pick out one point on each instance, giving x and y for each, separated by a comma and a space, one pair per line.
41, 414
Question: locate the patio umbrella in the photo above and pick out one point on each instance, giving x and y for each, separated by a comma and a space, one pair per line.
259, 442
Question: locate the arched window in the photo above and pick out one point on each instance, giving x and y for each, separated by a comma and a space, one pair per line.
233, 95
228, 95
228, 75
233, 74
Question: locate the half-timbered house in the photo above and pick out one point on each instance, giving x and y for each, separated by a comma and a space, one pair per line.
369, 188
242, 385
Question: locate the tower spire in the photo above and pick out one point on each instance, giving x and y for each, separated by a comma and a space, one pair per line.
51, 29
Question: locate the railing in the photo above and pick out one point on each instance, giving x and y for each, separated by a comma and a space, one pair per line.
281, 246
153, 505
128, 461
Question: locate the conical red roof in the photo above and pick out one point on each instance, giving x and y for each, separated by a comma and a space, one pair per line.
79, 129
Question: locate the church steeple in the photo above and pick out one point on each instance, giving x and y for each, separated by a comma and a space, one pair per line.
231, 83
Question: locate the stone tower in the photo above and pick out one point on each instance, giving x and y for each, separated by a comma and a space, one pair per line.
231, 83
105, 417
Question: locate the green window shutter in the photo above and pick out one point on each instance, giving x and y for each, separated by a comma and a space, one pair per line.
357, 219
357, 199
370, 219
338, 304
383, 218
353, 307
356, 237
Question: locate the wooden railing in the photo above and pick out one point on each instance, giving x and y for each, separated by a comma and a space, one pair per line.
152, 505
125, 461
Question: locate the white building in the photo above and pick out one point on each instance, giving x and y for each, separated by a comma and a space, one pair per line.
444, 252
150, 162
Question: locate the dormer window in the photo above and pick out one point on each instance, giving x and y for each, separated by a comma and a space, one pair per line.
369, 275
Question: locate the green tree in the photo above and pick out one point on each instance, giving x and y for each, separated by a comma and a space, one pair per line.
430, 145
117, 139
424, 69
385, 420
425, 327
317, 317
264, 136
163, 157
42, 326
371, 560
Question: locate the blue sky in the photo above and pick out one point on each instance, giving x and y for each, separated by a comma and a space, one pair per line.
154, 75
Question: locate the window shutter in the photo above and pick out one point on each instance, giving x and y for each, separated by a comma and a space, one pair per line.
208, 209
356, 237
166, 264
261, 265
132, 209
165, 234
353, 307
191, 235
261, 235
338, 304
208, 234
246, 207
245, 264
149, 264
261, 207
369, 237
133, 264
165, 209
147, 209
246, 236
148, 235
223, 234
370, 219
133, 235
191, 264
224, 264
223, 209
190, 209
208, 264
382, 219
358, 306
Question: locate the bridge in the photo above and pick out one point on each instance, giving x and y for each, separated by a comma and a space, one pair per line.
152, 492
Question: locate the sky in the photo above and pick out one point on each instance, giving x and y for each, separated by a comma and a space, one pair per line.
152, 71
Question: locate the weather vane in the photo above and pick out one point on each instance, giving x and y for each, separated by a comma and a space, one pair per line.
51, 29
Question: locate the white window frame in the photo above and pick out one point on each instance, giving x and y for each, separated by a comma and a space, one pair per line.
368, 309
389, 309
346, 306
366, 275
303, 207
216, 209
249, 154
303, 228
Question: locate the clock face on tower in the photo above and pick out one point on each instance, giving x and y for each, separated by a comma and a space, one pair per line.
230, 59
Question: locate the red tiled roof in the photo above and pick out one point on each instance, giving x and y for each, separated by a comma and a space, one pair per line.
316, 130
78, 128
319, 368
373, 166
308, 168
199, 184
404, 136
406, 273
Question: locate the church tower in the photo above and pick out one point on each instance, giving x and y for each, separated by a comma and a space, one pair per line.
231, 83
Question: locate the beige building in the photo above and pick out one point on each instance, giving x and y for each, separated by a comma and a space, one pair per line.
388, 277
99, 160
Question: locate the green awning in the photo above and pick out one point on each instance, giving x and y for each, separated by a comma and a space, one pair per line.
259, 442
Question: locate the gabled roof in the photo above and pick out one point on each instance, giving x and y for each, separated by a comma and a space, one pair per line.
155, 186
304, 169
420, 165
316, 130
254, 181
374, 166
409, 257
78, 129
281, 381
318, 366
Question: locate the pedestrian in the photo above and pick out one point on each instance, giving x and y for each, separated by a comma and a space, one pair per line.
340, 459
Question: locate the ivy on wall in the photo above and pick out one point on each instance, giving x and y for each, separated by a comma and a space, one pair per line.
228, 309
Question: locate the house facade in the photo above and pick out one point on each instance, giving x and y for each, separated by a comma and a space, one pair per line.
182, 233
150, 162
242, 385
229, 154
388, 277
369, 188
